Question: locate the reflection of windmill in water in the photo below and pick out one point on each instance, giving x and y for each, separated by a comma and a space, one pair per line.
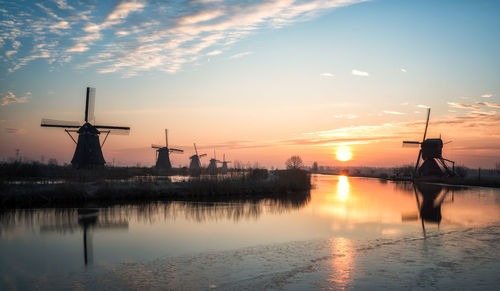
224, 167
163, 154
88, 220
212, 166
195, 163
88, 152
431, 151
430, 201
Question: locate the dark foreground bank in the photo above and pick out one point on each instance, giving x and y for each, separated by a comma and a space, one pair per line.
255, 184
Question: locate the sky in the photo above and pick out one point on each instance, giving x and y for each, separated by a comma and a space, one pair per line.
258, 81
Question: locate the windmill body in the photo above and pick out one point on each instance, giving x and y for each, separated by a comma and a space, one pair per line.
212, 166
88, 149
224, 167
163, 154
195, 163
431, 152
88, 152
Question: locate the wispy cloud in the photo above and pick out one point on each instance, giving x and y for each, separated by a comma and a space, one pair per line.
10, 98
423, 106
240, 55
462, 105
12, 130
489, 95
493, 105
360, 73
327, 75
135, 36
393, 112
403, 70
346, 116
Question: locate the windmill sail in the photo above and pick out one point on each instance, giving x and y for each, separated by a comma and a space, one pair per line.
59, 123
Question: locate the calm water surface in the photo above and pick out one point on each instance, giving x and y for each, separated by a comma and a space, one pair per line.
347, 233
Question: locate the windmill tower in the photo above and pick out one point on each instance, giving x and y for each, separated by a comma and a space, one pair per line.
224, 164
212, 167
431, 151
195, 163
163, 154
88, 152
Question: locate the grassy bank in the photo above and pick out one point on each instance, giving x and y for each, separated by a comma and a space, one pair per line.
254, 184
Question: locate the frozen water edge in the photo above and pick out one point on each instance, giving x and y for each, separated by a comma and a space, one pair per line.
456, 259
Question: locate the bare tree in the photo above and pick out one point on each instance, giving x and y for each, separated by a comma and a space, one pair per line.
294, 162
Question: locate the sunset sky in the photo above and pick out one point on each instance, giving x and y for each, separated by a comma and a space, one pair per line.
257, 80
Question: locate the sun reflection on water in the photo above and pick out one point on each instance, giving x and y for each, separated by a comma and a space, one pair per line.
342, 264
343, 188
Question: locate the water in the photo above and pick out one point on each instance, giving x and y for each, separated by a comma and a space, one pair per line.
348, 233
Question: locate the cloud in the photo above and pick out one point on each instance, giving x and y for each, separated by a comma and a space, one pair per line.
403, 70
240, 55
14, 130
393, 112
346, 116
9, 53
462, 105
423, 106
10, 98
327, 75
136, 36
214, 53
493, 105
62, 25
489, 95
360, 73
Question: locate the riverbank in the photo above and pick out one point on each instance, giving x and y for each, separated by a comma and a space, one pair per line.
252, 185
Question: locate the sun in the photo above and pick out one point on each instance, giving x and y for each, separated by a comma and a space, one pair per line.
343, 154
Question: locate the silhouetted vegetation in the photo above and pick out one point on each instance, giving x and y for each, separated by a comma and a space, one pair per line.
254, 184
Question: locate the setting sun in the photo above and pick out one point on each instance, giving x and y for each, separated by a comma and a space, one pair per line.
344, 154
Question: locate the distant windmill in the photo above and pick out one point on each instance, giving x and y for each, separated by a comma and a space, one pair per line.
88, 152
224, 164
212, 166
163, 153
195, 163
431, 150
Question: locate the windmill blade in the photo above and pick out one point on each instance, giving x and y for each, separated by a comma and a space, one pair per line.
202, 155
112, 127
176, 150
89, 105
195, 149
409, 144
448, 142
114, 130
166, 137
155, 146
59, 123
418, 161
427, 123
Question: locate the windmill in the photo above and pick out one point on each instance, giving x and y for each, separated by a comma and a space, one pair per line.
224, 164
163, 153
195, 163
88, 152
431, 151
212, 167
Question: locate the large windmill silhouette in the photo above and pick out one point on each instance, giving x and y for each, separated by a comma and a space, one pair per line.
431, 151
88, 152
163, 153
